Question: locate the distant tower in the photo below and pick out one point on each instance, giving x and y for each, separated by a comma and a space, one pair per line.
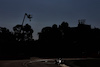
81, 21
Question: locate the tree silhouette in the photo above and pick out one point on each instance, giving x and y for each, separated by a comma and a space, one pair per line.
23, 33
18, 32
27, 32
74, 41
6, 35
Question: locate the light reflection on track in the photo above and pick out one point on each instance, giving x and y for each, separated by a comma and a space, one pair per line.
43, 61
52, 62
39, 62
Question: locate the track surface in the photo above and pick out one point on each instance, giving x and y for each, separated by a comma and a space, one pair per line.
39, 62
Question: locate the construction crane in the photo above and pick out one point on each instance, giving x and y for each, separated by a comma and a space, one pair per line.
28, 16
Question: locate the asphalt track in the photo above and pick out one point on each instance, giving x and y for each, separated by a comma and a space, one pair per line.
30, 63
39, 62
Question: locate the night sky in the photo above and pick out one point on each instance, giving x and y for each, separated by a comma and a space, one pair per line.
49, 12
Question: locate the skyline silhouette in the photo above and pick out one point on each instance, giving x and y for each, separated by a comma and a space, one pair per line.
55, 41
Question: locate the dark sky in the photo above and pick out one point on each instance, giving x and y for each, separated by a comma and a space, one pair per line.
49, 12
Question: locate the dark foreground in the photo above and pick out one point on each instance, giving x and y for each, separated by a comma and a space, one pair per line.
39, 62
